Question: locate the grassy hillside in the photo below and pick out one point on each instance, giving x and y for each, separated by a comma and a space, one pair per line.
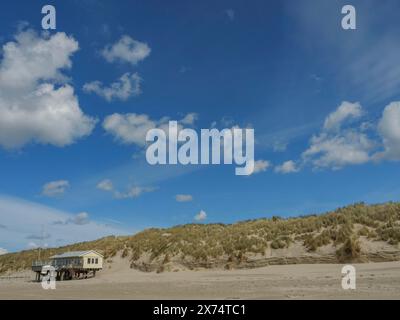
344, 231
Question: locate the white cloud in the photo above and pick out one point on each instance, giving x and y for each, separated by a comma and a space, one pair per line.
32, 107
133, 192
3, 251
338, 146
132, 128
201, 216
125, 87
261, 166
287, 167
25, 218
348, 148
341, 142
129, 128
184, 198
258, 166
189, 119
127, 50
55, 188
105, 185
32, 57
345, 111
389, 130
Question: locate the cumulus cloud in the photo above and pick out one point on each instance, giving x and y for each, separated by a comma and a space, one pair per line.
125, 87
347, 140
201, 216
287, 167
129, 128
32, 57
3, 251
36, 105
189, 119
261, 166
55, 188
258, 166
389, 130
132, 128
105, 185
126, 50
184, 198
344, 112
348, 148
337, 145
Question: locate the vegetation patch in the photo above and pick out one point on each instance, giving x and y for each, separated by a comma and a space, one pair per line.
233, 244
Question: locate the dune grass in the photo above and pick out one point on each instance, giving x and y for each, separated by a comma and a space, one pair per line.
203, 242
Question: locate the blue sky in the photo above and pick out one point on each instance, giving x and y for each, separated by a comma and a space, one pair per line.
285, 68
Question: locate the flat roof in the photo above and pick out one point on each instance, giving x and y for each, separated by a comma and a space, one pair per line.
74, 254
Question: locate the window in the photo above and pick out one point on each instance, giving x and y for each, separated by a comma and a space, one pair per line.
88, 260
97, 260
93, 260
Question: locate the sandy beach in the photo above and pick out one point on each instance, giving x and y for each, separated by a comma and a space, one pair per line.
319, 281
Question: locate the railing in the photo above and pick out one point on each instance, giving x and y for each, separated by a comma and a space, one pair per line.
39, 263
56, 264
